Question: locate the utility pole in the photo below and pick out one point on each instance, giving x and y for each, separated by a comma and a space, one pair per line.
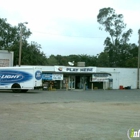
20, 44
138, 60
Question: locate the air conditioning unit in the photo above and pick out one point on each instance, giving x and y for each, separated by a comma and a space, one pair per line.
80, 64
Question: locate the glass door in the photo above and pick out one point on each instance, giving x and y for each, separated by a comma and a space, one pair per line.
64, 83
83, 82
71, 82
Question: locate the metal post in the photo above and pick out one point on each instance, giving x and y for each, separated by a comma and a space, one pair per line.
138, 61
92, 86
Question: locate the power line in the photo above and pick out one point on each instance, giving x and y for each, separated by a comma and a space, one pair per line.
67, 35
72, 36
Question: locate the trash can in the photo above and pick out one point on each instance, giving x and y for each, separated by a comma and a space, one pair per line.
121, 87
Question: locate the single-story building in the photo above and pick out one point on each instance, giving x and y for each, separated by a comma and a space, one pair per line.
71, 77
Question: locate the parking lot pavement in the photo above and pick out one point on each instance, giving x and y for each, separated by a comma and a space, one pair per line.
69, 115
74, 95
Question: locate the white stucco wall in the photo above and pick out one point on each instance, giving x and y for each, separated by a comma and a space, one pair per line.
122, 76
48, 69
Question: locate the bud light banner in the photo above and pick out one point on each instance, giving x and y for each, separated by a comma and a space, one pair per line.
13, 76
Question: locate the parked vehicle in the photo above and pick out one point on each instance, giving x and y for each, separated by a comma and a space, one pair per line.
20, 79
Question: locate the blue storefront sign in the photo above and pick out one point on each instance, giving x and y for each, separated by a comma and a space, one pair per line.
52, 76
46, 76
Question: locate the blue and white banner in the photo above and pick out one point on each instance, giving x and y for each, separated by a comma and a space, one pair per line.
46, 76
14, 76
57, 76
52, 76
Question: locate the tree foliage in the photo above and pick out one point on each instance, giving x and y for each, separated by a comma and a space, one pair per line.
103, 59
117, 44
9, 40
118, 51
63, 60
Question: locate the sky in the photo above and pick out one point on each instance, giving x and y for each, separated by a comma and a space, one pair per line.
65, 27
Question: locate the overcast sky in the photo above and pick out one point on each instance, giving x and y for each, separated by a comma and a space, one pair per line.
69, 26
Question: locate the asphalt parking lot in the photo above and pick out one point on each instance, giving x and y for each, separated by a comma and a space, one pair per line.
69, 115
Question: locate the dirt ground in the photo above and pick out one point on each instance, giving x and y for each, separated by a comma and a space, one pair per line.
31, 117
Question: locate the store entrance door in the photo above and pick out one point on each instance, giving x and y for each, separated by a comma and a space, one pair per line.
71, 82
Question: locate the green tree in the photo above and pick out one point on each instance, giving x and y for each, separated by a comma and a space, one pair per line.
89, 60
62, 60
52, 60
103, 60
31, 55
10, 35
73, 58
7, 34
118, 40
9, 40
132, 61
